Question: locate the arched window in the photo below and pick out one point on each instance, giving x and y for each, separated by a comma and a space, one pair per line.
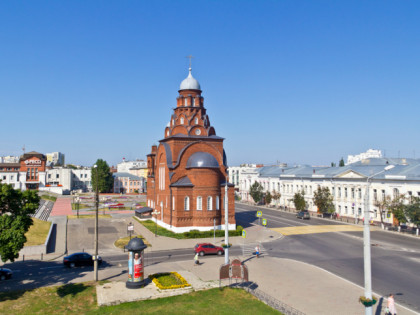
185, 101
173, 203
217, 203
181, 120
199, 203
187, 203
196, 120
209, 203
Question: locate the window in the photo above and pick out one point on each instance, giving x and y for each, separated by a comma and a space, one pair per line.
396, 193
187, 203
339, 192
185, 102
49, 175
11, 177
383, 194
196, 121
359, 195
57, 176
375, 195
173, 122
345, 192
352, 210
345, 209
181, 120
360, 211
217, 203
209, 203
199, 203
352, 193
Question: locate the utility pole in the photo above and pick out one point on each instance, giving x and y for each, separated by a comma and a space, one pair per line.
226, 224
95, 258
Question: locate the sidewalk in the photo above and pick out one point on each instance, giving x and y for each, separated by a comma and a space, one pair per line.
304, 287
62, 206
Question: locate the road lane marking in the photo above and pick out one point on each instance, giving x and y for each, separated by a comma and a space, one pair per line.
311, 229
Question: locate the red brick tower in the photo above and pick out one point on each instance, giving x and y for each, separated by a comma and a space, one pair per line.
187, 171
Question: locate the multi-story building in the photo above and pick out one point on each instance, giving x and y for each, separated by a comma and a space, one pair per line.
187, 172
128, 183
347, 184
32, 172
55, 158
369, 154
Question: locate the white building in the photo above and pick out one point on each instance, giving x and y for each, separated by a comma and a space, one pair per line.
125, 166
9, 159
55, 158
347, 184
369, 154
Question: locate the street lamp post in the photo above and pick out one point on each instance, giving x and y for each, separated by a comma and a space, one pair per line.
226, 224
366, 242
95, 258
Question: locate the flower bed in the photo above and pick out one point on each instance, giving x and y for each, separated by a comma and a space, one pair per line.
368, 302
169, 280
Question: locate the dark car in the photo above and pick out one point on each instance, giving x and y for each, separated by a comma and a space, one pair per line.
303, 215
79, 259
5, 273
207, 248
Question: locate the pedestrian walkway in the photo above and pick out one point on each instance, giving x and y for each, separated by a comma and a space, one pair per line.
304, 287
62, 206
311, 229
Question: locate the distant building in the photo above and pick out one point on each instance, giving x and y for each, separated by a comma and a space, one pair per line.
55, 158
9, 159
128, 183
125, 166
371, 153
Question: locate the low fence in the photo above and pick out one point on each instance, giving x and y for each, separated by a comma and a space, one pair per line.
38, 249
267, 299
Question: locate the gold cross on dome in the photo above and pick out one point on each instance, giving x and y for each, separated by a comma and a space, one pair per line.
190, 57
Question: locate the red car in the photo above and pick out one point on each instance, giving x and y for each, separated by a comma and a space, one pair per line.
207, 248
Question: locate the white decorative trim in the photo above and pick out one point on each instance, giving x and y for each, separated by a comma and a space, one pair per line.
189, 228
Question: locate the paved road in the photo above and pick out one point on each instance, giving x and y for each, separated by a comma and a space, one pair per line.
34, 273
395, 258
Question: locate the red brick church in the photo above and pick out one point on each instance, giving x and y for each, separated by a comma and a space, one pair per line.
187, 171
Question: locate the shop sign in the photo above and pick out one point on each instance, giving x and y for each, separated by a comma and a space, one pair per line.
33, 162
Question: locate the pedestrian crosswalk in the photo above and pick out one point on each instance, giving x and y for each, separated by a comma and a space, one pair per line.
249, 248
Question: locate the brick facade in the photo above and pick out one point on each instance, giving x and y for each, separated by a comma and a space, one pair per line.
189, 164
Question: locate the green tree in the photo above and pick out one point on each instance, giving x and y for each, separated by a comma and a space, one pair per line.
105, 179
276, 195
15, 210
268, 198
256, 192
341, 163
398, 208
383, 205
299, 201
412, 211
324, 200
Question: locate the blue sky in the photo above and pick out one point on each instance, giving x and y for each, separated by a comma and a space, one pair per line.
290, 81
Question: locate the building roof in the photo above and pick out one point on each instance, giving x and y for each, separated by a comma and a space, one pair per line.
182, 182
130, 176
404, 169
190, 83
202, 160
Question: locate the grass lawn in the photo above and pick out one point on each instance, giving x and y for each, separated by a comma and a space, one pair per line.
151, 226
47, 197
120, 243
89, 216
37, 233
80, 298
81, 206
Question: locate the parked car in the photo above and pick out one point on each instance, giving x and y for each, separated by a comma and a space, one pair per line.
303, 215
5, 273
207, 248
79, 259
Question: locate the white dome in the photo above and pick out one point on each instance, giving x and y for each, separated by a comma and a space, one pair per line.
190, 83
